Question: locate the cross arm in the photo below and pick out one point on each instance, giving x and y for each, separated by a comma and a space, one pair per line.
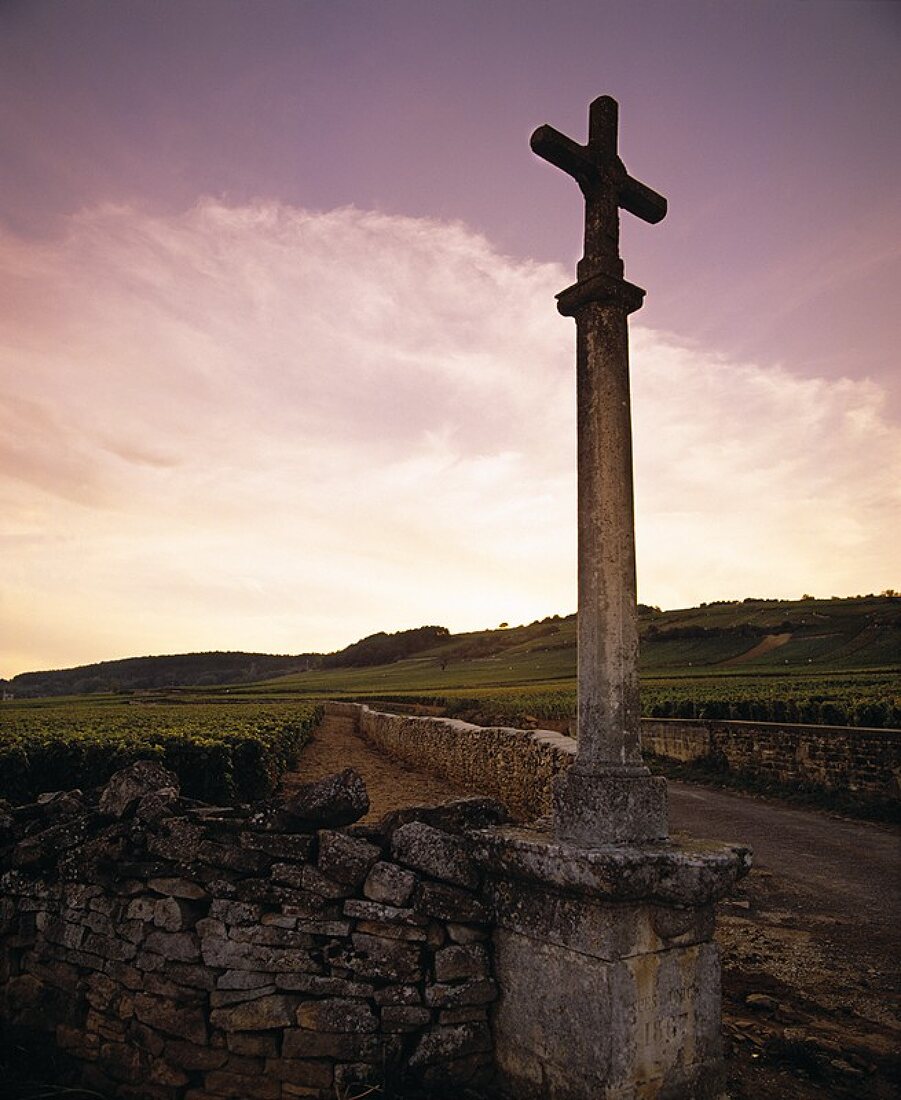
641, 201
564, 153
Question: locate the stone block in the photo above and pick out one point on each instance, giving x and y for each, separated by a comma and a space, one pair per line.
129, 785
380, 958
285, 847
331, 802
386, 914
221, 1083
258, 1044
438, 854
402, 1018
475, 991
178, 888
270, 1011
307, 1072
389, 884
458, 961
457, 816
609, 809
344, 1046
184, 1022
449, 903
345, 858
178, 946
190, 1056
444, 1044
336, 1014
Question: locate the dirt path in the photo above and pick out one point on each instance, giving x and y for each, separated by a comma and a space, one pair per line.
390, 784
810, 939
770, 642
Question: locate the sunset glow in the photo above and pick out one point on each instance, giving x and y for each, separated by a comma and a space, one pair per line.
246, 405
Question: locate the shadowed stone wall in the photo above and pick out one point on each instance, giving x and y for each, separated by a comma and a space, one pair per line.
174, 950
835, 758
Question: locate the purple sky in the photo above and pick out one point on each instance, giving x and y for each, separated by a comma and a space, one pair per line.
771, 127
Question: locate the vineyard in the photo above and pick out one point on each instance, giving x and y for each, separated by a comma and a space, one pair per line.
219, 751
865, 699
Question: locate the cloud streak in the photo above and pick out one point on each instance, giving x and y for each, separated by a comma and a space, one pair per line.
265, 428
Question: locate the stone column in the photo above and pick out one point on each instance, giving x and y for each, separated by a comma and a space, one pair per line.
608, 796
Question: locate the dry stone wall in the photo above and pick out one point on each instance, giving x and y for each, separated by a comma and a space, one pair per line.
177, 951
518, 766
860, 761
515, 766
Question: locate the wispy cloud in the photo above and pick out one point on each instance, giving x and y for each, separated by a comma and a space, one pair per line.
260, 427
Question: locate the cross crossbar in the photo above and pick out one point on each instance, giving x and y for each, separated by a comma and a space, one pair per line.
602, 178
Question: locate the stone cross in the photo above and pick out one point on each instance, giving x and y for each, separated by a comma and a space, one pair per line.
608, 795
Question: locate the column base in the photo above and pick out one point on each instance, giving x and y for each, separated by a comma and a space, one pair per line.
609, 808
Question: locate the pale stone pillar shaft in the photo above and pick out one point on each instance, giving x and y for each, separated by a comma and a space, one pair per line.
608, 795
608, 707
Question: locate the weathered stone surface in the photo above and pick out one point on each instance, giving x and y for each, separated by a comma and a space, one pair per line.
438, 854
386, 914
476, 991
243, 956
177, 888
346, 1046
330, 802
345, 858
281, 846
129, 785
313, 1074
449, 903
397, 995
155, 806
221, 998
379, 958
190, 1056
405, 1017
322, 985
466, 933
664, 874
475, 812
182, 946
610, 809
443, 1044
258, 1044
241, 1086
389, 884
181, 1021
336, 1014
273, 1010
452, 963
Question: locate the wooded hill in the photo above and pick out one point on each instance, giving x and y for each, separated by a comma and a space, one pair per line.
859, 632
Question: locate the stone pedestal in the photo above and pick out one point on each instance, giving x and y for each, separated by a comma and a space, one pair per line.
609, 979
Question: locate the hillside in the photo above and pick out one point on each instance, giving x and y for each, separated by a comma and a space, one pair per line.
751, 637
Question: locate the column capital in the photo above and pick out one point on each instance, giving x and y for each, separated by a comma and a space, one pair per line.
602, 288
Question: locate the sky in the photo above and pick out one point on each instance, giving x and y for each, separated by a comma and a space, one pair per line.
280, 364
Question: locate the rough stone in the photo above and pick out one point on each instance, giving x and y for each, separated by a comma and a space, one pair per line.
442, 1044
346, 1046
345, 858
129, 785
405, 1017
331, 802
458, 816
336, 1014
476, 991
273, 1010
434, 852
183, 1022
452, 963
449, 903
389, 884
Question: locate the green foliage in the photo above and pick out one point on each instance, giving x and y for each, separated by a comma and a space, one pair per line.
219, 751
863, 699
382, 648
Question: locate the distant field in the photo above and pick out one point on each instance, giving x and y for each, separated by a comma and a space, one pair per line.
217, 751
